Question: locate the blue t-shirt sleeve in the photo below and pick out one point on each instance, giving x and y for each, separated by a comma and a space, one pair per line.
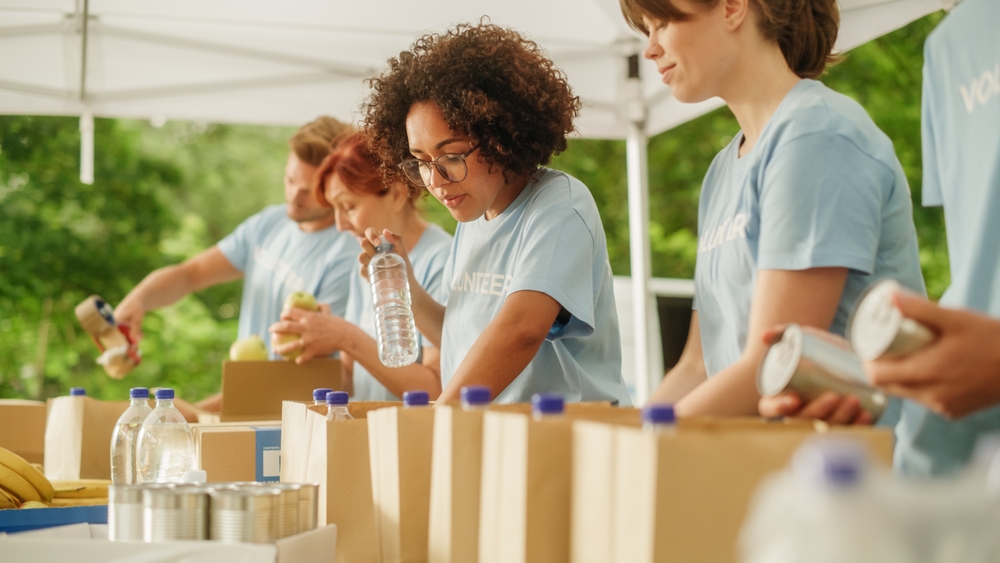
238, 245
931, 183
434, 280
556, 258
334, 287
821, 205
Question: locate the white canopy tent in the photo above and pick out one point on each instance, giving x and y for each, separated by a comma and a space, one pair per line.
265, 62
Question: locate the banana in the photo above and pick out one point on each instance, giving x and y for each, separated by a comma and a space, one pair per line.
7, 501
78, 501
81, 488
28, 472
16, 485
34, 504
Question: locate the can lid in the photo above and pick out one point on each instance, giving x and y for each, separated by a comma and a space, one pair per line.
780, 362
415, 398
337, 398
547, 403
476, 395
384, 247
659, 414
138, 393
875, 320
165, 393
77, 392
320, 394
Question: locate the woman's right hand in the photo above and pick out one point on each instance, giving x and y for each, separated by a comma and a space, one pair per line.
373, 239
320, 334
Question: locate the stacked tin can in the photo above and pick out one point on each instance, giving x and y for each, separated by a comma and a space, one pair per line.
229, 512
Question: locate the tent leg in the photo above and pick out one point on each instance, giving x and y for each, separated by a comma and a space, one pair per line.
87, 148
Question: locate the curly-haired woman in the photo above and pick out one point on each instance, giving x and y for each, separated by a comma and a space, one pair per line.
473, 115
805, 207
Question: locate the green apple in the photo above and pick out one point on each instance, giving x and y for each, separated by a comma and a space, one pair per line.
249, 348
297, 300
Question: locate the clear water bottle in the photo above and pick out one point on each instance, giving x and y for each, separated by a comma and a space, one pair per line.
475, 397
415, 399
659, 419
547, 405
337, 406
319, 395
125, 437
77, 392
395, 330
166, 447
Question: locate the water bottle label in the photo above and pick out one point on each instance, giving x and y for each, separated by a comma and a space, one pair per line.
268, 453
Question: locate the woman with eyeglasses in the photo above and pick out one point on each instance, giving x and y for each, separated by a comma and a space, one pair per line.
473, 115
348, 181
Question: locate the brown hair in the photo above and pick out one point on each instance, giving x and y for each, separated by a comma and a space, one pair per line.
805, 30
490, 83
356, 167
314, 140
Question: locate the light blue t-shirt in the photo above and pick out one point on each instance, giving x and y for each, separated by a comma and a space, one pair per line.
822, 188
961, 156
550, 240
428, 258
277, 259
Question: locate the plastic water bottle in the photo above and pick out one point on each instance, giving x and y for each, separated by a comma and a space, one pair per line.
547, 405
475, 397
395, 330
124, 470
415, 399
319, 395
77, 392
166, 447
337, 406
659, 419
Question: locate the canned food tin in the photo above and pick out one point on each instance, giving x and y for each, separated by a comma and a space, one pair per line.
308, 506
810, 366
247, 514
125, 513
877, 328
288, 508
175, 513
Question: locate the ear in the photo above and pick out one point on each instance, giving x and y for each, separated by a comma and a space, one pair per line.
399, 193
736, 12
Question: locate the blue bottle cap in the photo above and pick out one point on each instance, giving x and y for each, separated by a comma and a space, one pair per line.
659, 414
476, 395
138, 393
77, 392
320, 394
415, 398
830, 462
163, 394
547, 403
337, 398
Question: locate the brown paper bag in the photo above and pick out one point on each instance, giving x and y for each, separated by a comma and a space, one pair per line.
78, 437
400, 445
527, 483
683, 496
22, 428
335, 455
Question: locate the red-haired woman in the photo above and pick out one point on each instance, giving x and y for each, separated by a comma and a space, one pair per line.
349, 182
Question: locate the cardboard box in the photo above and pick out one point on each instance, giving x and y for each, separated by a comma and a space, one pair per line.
87, 544
22, 428
641, 497
239, 451
254, 390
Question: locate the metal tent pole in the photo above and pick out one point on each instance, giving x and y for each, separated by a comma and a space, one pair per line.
87, 118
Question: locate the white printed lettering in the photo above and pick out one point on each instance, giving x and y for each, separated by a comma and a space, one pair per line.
496, 283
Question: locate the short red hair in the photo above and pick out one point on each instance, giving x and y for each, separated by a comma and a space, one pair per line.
355, 166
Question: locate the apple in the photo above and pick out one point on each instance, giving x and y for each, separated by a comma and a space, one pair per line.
249, 348
298, 300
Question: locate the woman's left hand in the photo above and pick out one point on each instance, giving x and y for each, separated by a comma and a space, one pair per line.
320, 334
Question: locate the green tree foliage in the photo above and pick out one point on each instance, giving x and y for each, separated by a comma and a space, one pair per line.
162, 194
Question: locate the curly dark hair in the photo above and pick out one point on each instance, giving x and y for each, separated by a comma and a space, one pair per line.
489, 82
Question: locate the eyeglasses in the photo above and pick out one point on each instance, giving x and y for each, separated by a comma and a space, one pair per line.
451, 167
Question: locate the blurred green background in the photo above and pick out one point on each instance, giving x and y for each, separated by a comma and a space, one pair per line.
162, 194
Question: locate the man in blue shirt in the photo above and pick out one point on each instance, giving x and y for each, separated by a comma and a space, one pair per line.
281, 250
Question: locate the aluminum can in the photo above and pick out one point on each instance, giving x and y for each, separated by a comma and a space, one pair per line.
308, 506
877, 329
175, 513
125, 513
810, 366
288, 508
245, 514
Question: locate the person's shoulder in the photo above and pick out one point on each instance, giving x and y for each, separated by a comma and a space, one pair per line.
269, 217
966, 18
436, 239
557, 188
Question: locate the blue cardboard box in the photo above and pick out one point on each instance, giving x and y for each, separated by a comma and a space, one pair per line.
239, 451
22, 520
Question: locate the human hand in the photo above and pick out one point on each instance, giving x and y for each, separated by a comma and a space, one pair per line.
130, 313
373, 239
320, 334
955, 375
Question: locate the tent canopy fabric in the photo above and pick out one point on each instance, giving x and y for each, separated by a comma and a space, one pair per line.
267, 62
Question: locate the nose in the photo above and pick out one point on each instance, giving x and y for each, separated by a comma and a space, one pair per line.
340, 220
436, 178
652, 50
